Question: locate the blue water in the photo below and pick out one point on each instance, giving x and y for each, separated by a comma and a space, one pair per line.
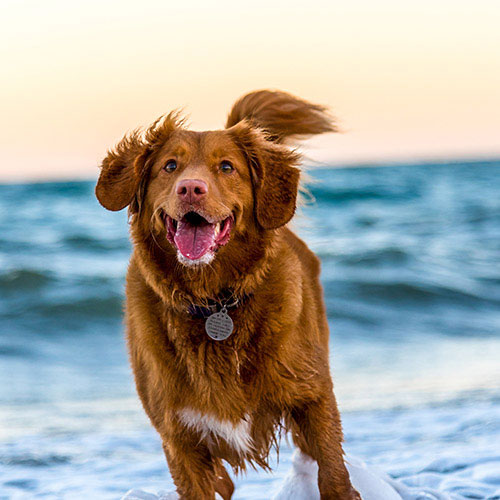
412, 284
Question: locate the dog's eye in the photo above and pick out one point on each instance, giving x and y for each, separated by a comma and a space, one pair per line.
226, 167
170, 166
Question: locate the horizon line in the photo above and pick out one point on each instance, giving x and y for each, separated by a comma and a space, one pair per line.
309, 165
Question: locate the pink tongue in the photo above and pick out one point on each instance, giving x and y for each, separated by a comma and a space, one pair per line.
194, 241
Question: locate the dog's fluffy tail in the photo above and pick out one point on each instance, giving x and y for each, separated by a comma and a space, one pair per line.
282, 115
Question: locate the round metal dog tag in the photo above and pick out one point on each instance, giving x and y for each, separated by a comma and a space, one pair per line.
219, 325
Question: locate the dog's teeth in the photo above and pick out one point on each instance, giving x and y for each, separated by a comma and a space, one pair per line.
217, 229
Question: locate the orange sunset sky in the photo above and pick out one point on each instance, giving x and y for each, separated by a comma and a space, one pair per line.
407, 80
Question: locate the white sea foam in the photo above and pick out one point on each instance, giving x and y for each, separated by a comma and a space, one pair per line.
300, 483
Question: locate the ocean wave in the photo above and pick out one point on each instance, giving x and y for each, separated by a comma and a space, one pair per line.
324, 194
110, 306
88, 242
24, 279
372, 258
34, 460
15, 351
416, 292
43, 189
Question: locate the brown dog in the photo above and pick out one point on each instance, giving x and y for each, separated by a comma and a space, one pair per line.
208, 214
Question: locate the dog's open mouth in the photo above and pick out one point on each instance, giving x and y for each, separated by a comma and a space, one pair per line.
194, 236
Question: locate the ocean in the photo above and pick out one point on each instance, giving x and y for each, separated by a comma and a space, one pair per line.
410, 268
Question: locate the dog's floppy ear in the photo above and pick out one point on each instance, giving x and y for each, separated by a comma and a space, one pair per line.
121, 173
125, 168
274, 174
283, 116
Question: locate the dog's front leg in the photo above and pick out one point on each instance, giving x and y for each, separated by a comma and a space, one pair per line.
192, 467
317, 432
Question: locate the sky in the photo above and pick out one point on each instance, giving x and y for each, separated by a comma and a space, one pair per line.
406, 80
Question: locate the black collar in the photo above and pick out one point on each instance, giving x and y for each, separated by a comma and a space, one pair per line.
225, 299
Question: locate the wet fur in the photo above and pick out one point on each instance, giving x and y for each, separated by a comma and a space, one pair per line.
274, 369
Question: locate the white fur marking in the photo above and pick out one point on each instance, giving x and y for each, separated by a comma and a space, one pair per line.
236, 435
205, 259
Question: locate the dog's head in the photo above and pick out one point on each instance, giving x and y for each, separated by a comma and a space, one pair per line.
202, 191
